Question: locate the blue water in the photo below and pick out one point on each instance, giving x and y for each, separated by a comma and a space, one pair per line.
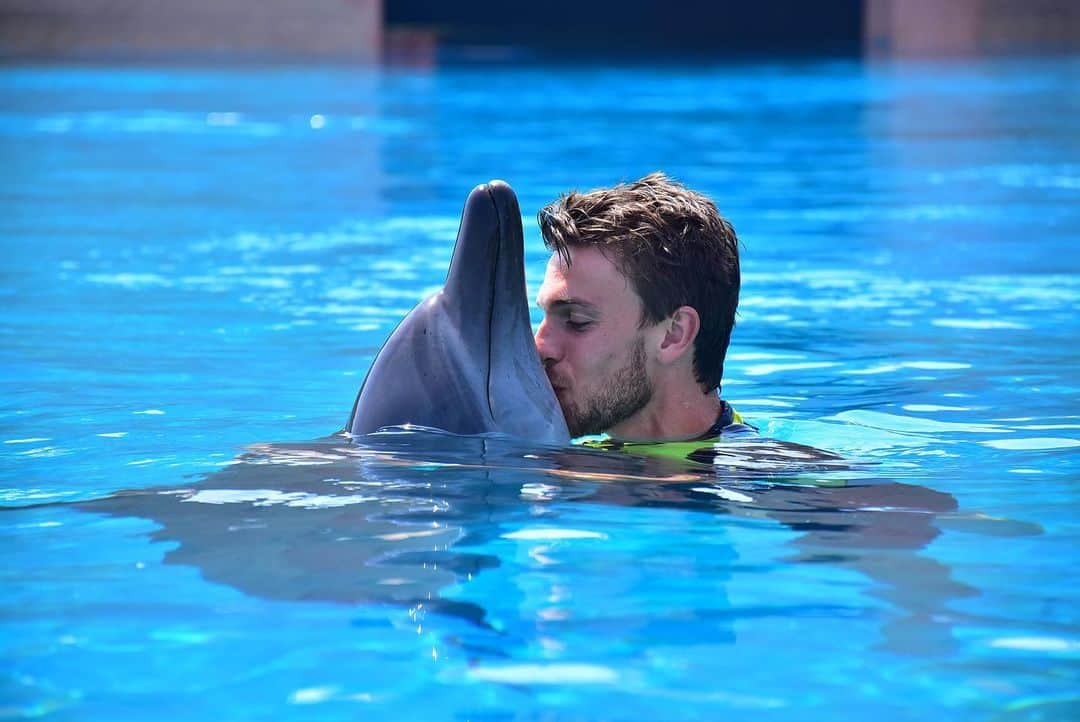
200, 262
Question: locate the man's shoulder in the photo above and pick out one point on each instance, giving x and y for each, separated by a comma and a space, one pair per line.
735, 445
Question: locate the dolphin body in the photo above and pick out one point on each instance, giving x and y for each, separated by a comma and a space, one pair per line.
464, 360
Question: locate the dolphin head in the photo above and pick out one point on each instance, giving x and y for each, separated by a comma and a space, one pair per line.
464, 359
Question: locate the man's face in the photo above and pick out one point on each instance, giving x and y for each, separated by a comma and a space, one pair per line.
594, 353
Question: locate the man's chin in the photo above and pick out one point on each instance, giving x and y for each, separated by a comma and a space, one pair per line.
576, 422
569, 415
575, 426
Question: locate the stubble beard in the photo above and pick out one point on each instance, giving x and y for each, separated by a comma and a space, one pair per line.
626, 392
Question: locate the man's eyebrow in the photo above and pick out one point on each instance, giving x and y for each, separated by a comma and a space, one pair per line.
562, 303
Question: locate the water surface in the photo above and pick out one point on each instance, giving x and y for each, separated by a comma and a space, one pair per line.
200, 265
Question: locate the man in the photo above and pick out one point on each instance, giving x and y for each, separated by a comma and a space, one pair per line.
639, 301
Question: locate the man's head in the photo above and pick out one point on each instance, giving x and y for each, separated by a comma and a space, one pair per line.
642, 287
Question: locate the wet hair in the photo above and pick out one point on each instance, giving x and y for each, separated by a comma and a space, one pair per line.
673, 246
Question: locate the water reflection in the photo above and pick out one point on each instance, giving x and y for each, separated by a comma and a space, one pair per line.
402, 517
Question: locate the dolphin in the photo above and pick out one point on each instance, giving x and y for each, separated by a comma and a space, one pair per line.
464, 359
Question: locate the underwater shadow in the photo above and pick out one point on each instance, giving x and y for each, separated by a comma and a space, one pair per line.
392, 518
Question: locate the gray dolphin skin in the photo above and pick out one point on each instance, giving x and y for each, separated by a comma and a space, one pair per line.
464, 360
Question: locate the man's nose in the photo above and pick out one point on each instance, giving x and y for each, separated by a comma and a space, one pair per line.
546, 344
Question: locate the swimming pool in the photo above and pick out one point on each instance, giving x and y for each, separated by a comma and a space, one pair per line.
198, 261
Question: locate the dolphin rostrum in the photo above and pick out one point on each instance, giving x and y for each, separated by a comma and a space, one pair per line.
464, 360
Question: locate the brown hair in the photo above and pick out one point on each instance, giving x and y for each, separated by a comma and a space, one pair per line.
671, 243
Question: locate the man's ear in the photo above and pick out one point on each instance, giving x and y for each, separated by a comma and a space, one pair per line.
680, 330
